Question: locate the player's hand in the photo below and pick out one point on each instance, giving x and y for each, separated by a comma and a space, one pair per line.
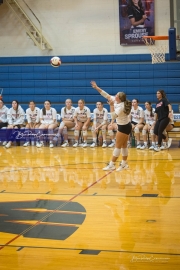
144, 17
93, 84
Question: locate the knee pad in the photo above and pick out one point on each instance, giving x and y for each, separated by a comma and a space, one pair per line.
76, 133
110, 133
65, 130
61, 125
144, 132
103, 131
124, 152
84, 133
136, 130
151, 131
116, 152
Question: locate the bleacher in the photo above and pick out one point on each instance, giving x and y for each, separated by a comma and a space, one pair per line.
33, 78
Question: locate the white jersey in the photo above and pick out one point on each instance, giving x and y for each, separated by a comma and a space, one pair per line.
122, 119
116, 105
82, 115
33, 116
67, 114
148, 118
16, 117
100, 116
136, 114
49, 117
3, 114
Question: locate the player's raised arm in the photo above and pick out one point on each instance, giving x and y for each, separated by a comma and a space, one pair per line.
102, 92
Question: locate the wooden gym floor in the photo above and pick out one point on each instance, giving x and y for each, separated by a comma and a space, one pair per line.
60, 210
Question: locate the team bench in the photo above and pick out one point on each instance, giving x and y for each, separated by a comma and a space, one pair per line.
175, 132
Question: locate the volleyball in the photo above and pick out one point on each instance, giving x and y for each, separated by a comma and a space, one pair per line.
55, 61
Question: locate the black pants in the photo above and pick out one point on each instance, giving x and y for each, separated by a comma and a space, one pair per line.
159, 128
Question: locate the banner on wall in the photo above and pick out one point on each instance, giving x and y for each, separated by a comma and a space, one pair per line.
129, 13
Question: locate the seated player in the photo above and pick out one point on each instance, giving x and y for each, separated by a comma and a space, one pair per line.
82, 117
16, 117
67, 115
3, 116
99, 123
149, 126
48, 120
33, 119
137, 120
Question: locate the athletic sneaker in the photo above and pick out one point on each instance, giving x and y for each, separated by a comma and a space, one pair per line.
157, 149
93, 145
163, 147
144, 147
8, 145
109, 168
152, 147
65, 144
169, 142
138, 146
85, 144
4, 143
39, 145
111, 145
128, 145
26, 144
51, 145
121, 167
104, 145
75, 145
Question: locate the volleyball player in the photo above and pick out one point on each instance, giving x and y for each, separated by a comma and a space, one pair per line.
163, 114
137, 120
67, 115
3, 116
120, 109
33, 119
149, 118
99, 123
48, 120
82, 118
16, 117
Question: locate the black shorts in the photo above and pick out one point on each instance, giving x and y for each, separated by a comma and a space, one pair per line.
134, 123
3, 125
126, 129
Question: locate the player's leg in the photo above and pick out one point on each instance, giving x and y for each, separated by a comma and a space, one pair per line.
68, 125
112, 134
152, 135
162, 125
40, 142
137, 130
103, 130
144, 134
77, 132
94, 136
85, 133
51, 128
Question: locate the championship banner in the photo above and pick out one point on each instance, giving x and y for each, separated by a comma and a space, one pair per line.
136, 20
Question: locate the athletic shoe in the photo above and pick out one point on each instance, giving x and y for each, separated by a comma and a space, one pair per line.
39, 145
75, 145
51, 145
8, 145
93, 145
109, 168
4, 143
84, 144
144, 147
111, 145
104, 145
163, 147
65, 144
157, 149
152, 147
121, 167
26, 144
169, 142
138, 146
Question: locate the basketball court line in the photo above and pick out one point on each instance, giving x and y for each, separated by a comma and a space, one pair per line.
62, 205
20, 247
